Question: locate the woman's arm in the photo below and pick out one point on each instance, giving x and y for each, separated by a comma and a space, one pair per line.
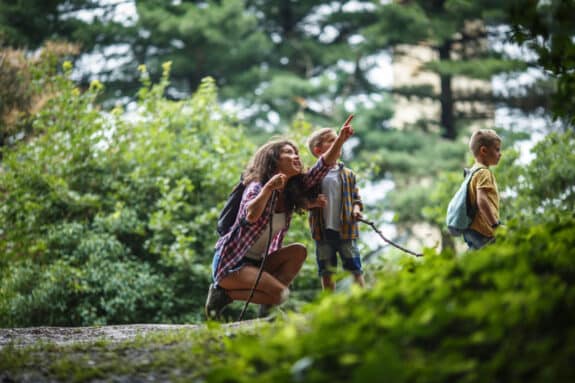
256, 206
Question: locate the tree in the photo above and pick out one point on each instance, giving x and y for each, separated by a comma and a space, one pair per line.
548, 29
28, 24
457, 34
272, 58
22, 90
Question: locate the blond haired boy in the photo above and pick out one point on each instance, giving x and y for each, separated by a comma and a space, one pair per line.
334, 219
485, 145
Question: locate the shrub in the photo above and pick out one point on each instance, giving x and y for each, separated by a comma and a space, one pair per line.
502, 314
111, 219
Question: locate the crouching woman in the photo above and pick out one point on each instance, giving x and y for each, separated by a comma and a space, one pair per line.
276, 186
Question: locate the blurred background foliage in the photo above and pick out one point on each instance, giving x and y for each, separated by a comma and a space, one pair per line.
121, 137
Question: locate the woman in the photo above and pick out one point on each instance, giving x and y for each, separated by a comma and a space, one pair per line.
275, 183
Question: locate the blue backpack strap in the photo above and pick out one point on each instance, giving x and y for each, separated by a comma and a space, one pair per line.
472, 207
460, 211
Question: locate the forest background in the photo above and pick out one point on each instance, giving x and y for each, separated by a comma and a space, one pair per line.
111, 180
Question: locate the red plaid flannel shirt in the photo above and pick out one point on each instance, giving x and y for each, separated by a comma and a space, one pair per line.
234, 245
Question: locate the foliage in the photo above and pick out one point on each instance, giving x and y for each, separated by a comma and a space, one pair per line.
111, 219
547, 28
29, 24
501, 314
544, 187
24, 90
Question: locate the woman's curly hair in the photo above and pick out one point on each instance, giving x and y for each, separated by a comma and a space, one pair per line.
264, 164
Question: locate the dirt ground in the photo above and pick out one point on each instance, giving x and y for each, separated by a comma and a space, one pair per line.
67, 335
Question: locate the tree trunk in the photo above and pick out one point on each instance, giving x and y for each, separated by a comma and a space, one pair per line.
286, 17
446, 97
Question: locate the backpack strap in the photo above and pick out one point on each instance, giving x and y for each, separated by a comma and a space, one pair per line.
471, 205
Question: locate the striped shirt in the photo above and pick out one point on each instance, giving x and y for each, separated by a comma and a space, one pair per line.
233, 246
349, 196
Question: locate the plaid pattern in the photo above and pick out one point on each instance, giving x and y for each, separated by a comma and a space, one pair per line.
234, 245
349, 197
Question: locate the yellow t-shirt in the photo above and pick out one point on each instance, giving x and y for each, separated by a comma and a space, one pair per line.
485, 180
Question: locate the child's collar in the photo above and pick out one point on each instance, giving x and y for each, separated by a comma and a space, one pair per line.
338, 165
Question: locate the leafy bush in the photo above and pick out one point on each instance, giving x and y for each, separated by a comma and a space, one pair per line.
502, 314
110, 217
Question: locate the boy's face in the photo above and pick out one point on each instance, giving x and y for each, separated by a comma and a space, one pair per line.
493, 153
326, 143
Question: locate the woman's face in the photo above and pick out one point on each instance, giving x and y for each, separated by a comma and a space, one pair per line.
289, 162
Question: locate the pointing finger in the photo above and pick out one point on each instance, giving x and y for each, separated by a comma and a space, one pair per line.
348, 120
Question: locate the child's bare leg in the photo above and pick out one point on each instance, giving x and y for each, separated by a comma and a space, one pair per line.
327, 282
358, 278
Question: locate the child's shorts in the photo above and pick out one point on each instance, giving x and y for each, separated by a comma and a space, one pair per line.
326, 252
476, 240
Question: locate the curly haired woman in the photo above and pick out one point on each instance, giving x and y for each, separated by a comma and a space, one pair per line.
276, 186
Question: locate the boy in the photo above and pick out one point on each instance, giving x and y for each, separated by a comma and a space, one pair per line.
333, 217
485, 145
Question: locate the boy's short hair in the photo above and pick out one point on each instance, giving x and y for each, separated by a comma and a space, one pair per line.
482, 137
317, 138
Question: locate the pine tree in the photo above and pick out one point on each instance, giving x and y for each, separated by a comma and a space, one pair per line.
458, 33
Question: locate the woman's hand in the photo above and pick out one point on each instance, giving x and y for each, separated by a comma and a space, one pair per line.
320, 201
277, 182
256, 206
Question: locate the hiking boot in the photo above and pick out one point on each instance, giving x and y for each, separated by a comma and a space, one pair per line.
216, 301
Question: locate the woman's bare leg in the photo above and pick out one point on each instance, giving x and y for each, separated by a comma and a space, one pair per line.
286, 262
280, 269
239, 284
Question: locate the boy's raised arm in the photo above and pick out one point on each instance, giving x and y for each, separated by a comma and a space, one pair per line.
332, 155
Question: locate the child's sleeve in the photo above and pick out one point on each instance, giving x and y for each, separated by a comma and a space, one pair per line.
484, 180
315, 174
356, 198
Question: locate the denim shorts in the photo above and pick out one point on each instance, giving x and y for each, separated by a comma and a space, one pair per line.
244, 261
326, 252
476, 240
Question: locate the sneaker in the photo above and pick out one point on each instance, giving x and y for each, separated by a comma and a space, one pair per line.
216, 301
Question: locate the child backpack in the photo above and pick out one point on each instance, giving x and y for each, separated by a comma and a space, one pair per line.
460, 211
229, 213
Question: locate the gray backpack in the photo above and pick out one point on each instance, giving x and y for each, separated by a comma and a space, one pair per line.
460, 211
